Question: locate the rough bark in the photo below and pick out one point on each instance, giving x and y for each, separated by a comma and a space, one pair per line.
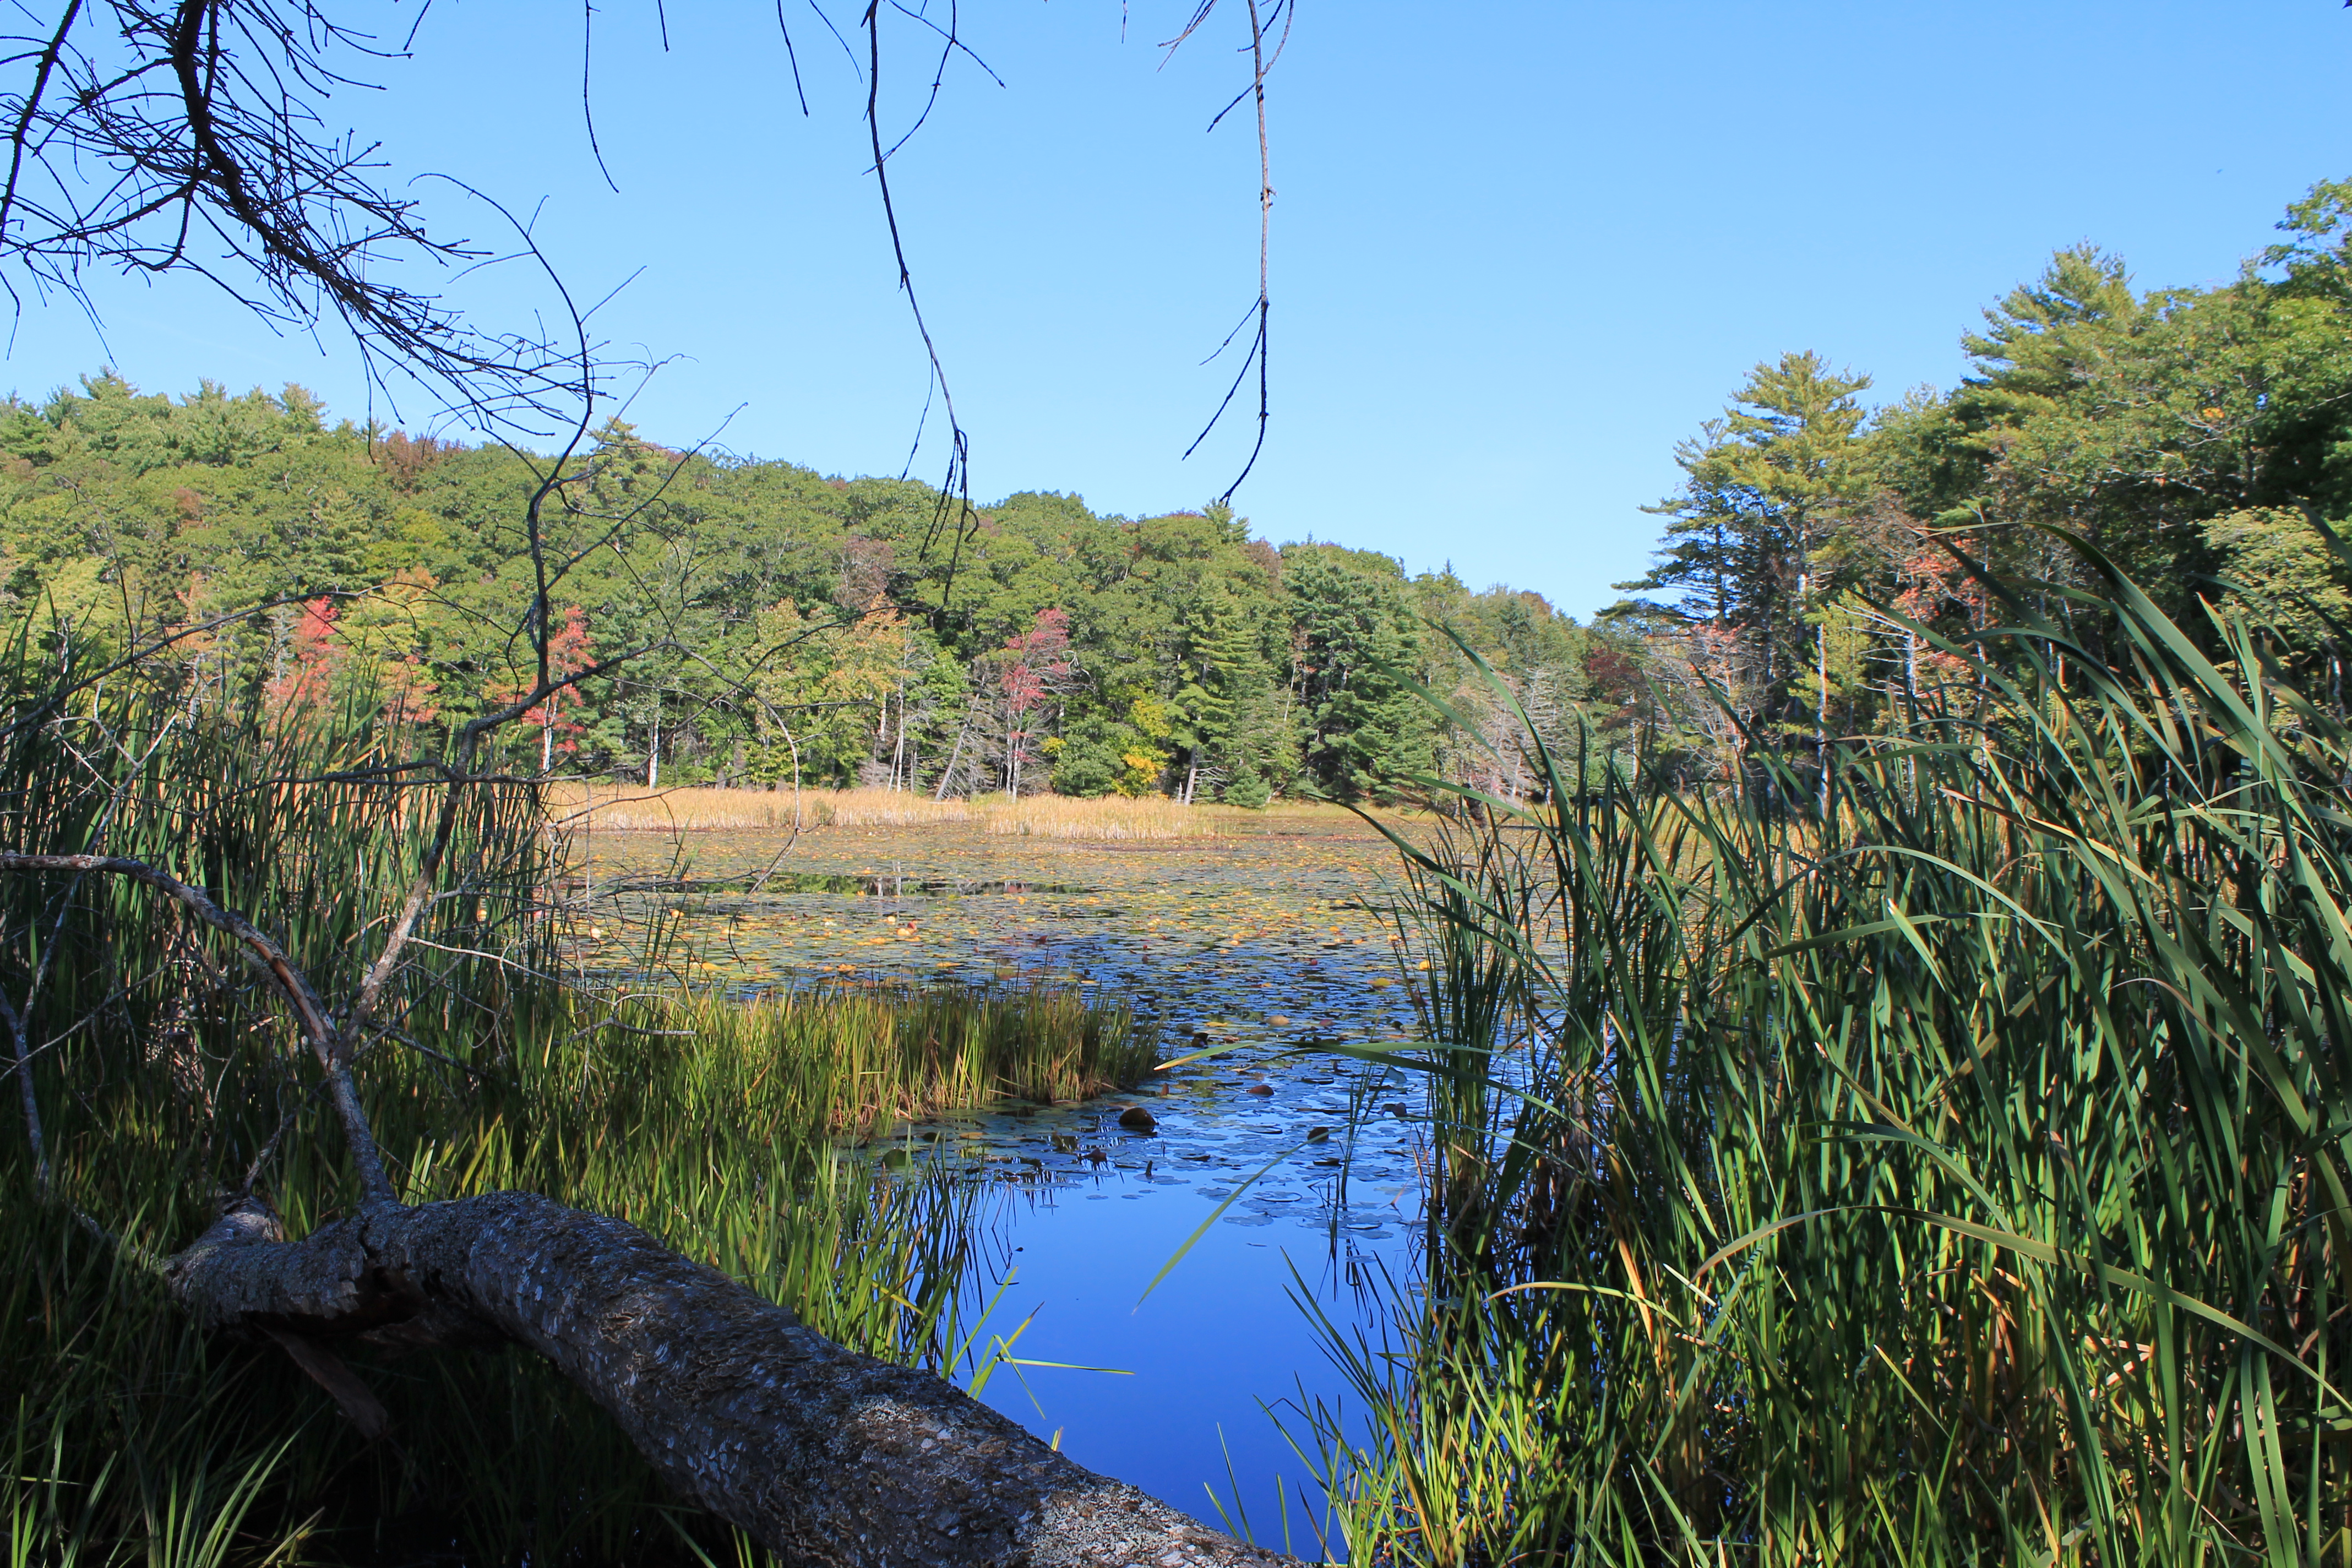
823, 1455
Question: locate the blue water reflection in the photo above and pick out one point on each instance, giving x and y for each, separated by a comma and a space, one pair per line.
1253, 944
1316, 1162
1210, 1352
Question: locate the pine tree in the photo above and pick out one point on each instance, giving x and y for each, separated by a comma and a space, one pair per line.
1767, 486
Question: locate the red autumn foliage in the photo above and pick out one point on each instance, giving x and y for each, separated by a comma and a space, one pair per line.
312, 655
569, 651
1031, 668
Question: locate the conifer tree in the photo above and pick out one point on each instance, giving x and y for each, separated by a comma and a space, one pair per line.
1765, 487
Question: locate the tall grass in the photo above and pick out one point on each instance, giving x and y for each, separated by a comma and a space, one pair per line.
164, 1073
1950, 1165
852, 1059
630, 810
131, 1433
1109, 817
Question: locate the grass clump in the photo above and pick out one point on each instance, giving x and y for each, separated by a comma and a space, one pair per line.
851, 1059
1944, 1156
1108, 818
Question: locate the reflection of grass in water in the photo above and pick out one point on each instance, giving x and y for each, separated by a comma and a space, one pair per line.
1110, 817
131, 1435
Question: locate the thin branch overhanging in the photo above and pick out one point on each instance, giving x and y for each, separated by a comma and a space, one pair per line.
190, 137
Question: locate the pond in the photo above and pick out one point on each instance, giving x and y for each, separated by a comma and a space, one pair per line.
1250, 945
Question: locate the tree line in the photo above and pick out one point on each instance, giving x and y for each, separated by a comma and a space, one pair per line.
779, 625
1824, 562
1821, 564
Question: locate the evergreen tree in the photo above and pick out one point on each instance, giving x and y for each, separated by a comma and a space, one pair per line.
1765, 490
1366, 730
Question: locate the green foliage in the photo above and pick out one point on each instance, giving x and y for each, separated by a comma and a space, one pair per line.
1091, 756
1366, 730
1950, 1166
2200, 439
799, 626
1748, 541
2287, 570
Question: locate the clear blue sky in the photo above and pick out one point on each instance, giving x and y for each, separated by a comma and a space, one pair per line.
1520, 249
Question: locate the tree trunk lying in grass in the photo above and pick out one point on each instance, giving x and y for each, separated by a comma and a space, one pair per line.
823, 1455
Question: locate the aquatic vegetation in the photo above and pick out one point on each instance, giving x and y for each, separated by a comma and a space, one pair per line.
160, 1072
1108, 817
719, 1138
849, 1058
1262, 935
133, 1435
628, 809
1940, 1162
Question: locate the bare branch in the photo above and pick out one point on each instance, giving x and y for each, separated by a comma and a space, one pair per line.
191, 136
23, 1068
292, 985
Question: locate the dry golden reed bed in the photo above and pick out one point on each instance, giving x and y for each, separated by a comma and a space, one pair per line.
639, 810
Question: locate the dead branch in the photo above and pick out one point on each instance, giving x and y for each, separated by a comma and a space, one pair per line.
293, 987
23, 1068
157, 136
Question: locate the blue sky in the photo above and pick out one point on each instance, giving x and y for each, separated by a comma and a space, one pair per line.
1520, 249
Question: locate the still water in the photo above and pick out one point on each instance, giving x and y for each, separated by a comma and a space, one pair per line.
1262, 947
1206, 1375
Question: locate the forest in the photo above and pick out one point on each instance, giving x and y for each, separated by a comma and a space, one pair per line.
1838, 1055
1820, 550
785, 626
789, 627
1872, 998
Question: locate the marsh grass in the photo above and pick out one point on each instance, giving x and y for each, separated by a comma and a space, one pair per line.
1108, 818
1112, 818
849, 1059
165, 1070
1955, 1167
134, 1437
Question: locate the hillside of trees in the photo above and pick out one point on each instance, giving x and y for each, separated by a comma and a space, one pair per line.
835, 631
1822, 560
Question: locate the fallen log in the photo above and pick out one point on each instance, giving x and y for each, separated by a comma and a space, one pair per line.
822, 1455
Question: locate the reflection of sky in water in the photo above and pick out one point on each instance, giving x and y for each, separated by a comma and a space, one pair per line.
1257, 940
1090, 1212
